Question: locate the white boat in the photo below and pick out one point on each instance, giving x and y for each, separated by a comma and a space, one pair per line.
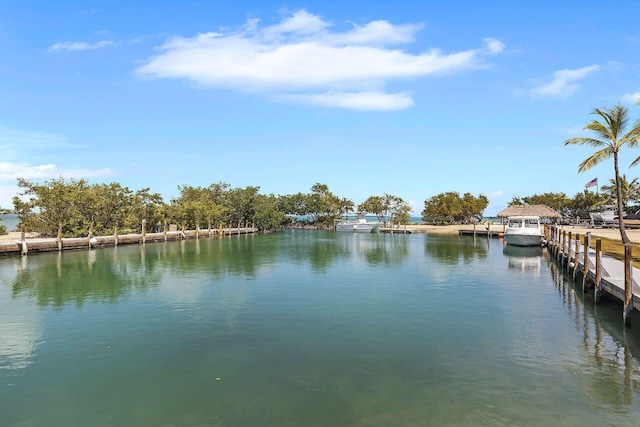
523, 231
358, 225
605, 218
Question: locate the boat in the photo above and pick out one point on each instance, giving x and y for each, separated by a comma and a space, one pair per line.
358, 225
605, 218
523, 231
632, 220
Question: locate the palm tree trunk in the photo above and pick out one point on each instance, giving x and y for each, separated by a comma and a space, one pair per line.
623, 232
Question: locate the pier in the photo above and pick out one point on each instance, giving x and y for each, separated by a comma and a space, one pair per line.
599, 272
483, 231
23, 246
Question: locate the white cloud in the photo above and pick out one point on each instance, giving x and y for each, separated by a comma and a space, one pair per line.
300, 58
357, 100
563, 83
10, 172
77, 46
630, 98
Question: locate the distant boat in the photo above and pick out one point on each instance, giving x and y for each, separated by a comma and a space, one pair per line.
523, 231
605, 218
358, 225
632, 220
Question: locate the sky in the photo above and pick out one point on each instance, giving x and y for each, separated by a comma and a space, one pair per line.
410, 98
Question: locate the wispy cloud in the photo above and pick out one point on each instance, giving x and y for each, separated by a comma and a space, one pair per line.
302, 59
630, 98
563, 83
357, 100
78, 46
33, 139
10, 172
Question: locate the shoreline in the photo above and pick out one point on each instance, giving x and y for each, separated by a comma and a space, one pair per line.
608, 233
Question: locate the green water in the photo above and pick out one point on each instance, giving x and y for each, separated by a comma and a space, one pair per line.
305, 328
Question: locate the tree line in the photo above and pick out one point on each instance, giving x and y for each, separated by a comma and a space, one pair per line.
78, 206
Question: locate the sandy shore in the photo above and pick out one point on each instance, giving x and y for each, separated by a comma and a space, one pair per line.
610, 233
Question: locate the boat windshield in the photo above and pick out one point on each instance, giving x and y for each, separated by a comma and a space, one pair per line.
532, 223
515, 222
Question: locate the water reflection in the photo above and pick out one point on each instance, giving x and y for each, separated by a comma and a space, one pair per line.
610, 351
527, 259
456, 251
20, 333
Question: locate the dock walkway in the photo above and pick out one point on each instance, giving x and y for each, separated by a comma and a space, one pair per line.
612, 281
25, 245
599, 271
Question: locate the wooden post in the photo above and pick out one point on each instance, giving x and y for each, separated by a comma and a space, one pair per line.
570, 236
596, 289
209, 229
575, 256
164, 230
585, 260
90, 233
59, 236
197, 231
144, 231
626, 313
474, 229
24, 250
115, 235
561, 252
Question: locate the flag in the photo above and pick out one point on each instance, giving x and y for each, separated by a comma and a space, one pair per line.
591, 183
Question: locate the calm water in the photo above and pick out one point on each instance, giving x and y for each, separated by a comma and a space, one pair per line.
306, 328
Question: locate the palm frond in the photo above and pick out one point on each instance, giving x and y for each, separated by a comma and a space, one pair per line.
597, 157
585, 141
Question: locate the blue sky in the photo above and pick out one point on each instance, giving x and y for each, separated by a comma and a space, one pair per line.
411, 98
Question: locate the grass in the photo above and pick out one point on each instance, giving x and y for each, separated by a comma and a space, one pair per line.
615, 248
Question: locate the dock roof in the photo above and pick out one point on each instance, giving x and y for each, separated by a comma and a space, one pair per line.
542, 211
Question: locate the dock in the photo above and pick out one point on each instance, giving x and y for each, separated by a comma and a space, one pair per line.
599, 272
23, 246
485, 233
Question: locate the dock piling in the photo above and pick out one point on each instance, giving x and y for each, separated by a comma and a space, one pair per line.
626, 312
596, 286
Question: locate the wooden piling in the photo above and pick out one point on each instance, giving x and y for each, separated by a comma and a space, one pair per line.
144, 231
575, 256
598, 278
115, 235
59, 236
626, 311
585, 261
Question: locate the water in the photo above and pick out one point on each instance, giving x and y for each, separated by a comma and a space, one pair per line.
305, 328
10, 221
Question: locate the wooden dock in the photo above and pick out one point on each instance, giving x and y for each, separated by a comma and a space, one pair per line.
23, 246
598, 272
480, 233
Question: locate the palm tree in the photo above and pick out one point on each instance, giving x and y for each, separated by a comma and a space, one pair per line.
630, 190
611, 141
